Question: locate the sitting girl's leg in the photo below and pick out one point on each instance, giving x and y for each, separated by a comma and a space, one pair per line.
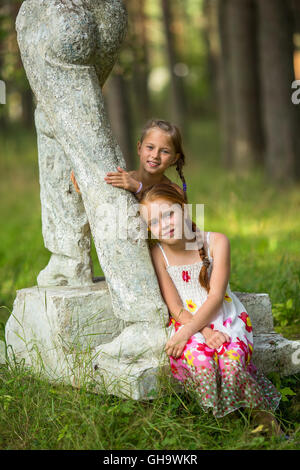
242, 385
197, 370
225, 379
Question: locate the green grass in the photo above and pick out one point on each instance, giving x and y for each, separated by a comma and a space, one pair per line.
38, 415
263, 225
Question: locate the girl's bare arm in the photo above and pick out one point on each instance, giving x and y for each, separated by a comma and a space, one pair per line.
218, 284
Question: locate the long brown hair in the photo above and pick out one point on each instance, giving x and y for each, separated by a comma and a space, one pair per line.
176, 138
168, 192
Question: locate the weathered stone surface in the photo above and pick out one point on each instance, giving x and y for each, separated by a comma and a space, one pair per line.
259, 309
59, 321
67, 52
68, 48
138, 380
274, 353
77, 338
59, 332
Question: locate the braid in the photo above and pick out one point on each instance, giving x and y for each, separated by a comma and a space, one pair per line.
203, 275
179, 165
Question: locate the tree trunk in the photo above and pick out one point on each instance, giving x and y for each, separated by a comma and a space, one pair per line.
27, 108
281, 116
213, 44
5, 12
179, 101
22, 86
216, 34
240, 24
116, 97
2, 110
139, 47
295, 10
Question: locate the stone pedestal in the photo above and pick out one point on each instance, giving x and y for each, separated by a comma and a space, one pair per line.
55, 327
271, 351
71, 335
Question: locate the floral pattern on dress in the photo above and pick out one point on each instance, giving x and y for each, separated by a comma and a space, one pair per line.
185, 276
227, 322
246, 319
224, 379
191, 305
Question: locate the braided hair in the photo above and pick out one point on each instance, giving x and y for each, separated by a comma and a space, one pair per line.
168, 192
203, 275
176, 138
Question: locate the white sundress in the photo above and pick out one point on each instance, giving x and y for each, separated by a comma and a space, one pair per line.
224, 379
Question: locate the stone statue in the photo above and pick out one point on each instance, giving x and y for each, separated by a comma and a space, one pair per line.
68, 48
67, 39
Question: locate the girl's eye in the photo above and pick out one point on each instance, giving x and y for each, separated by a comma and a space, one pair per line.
149, 147
166, 151
168, 215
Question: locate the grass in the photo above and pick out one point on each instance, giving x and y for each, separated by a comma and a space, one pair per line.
263, 225
38, 415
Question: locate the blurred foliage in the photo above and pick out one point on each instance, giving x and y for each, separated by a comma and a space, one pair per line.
190, 42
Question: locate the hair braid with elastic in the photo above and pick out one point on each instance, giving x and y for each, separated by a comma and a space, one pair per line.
179, 165
203, 275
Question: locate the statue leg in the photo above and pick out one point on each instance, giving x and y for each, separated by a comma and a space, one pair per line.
65, 226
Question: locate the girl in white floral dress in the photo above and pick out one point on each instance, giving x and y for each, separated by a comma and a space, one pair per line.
210, 334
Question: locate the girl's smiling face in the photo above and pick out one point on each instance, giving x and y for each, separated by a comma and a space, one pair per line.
164, 219
157, 151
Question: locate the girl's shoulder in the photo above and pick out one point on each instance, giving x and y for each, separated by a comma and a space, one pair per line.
217, 240
155, 250
157, 256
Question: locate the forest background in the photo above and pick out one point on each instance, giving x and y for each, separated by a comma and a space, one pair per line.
225, 72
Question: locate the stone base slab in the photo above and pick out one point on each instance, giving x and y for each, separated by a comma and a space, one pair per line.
71, 335
274, 353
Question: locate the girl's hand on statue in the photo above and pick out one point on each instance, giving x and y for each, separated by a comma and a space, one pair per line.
176, 344
73, 179
122, 179
214, 338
